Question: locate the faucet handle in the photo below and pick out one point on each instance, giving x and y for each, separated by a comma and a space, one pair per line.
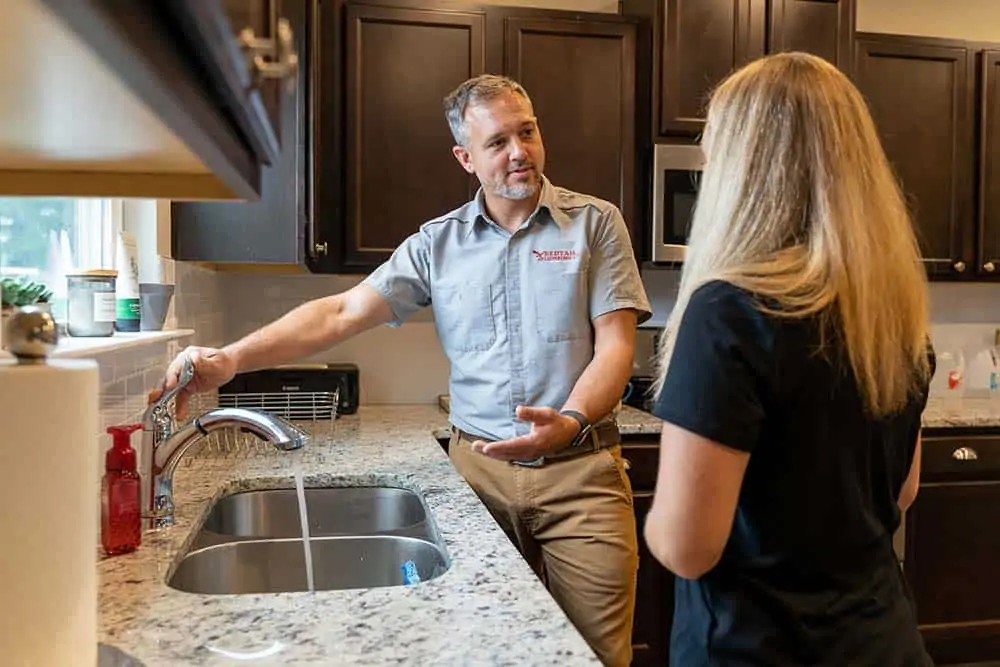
156, 414
186, 375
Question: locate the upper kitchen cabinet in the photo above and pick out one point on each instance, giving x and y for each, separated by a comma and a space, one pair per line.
277, 229
922, 93
580, 71
697, 43
399, 64
401, 60
154, 99
988, 252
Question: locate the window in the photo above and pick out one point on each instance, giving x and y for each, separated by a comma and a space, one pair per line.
34, 231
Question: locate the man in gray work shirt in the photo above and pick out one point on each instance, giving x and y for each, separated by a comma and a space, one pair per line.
536, 296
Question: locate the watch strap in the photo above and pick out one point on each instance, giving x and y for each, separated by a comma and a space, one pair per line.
585, 426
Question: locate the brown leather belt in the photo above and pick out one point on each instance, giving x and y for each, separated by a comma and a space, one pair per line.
604, 434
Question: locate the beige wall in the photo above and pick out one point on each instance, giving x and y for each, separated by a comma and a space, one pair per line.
610, 6
977, 20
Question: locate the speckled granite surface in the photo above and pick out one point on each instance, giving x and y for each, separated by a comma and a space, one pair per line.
487, 609
966, 412
630, 420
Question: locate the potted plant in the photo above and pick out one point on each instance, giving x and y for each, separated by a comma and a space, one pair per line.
17, 292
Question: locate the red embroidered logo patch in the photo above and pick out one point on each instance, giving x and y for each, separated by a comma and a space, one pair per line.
555, 255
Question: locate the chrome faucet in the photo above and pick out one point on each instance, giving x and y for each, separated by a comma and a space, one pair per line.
163, 446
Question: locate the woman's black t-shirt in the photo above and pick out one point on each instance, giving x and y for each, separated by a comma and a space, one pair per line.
809, 575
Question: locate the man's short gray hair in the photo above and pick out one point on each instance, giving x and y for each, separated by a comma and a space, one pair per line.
475, 91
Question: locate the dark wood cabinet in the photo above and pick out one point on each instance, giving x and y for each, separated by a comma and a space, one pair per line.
400, 64
952, 546
581, 75
702, 43
579, 70
272, 230
374, 162
822, 27
921, 93
697, 43
191, 62
654, 603
988, 257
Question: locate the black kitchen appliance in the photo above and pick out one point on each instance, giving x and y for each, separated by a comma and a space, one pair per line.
638, 392
296, 392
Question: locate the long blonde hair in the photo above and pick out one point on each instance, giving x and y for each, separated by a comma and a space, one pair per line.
798, 205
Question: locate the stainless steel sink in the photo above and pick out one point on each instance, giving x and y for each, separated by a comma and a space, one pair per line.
278, 566
360, 537
331, 511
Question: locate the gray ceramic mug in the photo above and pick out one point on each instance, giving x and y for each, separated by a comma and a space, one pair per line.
154, 301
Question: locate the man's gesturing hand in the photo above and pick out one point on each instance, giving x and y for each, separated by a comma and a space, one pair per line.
550, 432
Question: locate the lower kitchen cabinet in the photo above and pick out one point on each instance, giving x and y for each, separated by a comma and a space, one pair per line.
953, 545
654, 603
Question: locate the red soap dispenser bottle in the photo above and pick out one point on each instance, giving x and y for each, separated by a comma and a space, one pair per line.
121, 512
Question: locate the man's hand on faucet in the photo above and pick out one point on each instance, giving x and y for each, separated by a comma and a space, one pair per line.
212, 369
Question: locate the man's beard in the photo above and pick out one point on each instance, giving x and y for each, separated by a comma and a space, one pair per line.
517, 190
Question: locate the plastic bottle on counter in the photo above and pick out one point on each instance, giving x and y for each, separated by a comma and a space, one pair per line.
121, 511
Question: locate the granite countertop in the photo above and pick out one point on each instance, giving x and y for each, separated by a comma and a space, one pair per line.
487, 609
963, 412
631, 421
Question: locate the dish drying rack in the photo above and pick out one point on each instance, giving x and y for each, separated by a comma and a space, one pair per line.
314, 413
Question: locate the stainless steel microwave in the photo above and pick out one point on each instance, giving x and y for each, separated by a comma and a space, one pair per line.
676, 172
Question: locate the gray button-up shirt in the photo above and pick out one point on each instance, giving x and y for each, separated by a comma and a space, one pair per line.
514, 311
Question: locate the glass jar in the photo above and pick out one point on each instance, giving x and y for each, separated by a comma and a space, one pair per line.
91, 303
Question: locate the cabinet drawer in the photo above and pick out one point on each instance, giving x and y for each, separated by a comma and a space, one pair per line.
643, 458
966, 458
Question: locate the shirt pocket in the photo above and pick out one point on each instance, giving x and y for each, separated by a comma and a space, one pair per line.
562, 311
464, 317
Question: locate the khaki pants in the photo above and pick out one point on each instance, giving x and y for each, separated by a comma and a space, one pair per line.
572, 520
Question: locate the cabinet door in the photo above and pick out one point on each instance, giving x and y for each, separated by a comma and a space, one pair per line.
822, 27
400, 64
270, 230
989, 166
920, 92
581, 79
702, 41
952, 546
654, 602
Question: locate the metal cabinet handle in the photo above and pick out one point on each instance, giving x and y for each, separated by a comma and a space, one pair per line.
270, 58
965, 454
626, 463
320, 248
989, 267
959, 266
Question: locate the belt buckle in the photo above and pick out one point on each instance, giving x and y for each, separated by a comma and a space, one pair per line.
536, 463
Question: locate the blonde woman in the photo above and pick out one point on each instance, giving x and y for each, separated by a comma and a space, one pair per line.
794, 370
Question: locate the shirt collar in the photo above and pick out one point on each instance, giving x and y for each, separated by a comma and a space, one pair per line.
548, 202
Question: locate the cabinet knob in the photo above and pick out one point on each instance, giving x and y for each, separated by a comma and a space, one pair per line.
965, 454
626, 463
270, 58
959, 266
989, 267
320, 248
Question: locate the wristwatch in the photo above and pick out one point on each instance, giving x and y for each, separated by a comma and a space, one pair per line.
585, 427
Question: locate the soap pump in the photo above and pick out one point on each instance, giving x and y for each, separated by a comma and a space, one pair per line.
121, 526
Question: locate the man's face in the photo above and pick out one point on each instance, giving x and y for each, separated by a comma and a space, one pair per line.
505, 148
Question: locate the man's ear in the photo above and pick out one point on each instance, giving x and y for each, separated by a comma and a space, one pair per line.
463, 157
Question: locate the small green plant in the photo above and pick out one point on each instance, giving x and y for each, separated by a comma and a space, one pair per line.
23, 292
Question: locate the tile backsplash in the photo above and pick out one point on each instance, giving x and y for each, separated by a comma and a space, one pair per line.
407, 364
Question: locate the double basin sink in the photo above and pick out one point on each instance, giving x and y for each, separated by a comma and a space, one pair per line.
359, 537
